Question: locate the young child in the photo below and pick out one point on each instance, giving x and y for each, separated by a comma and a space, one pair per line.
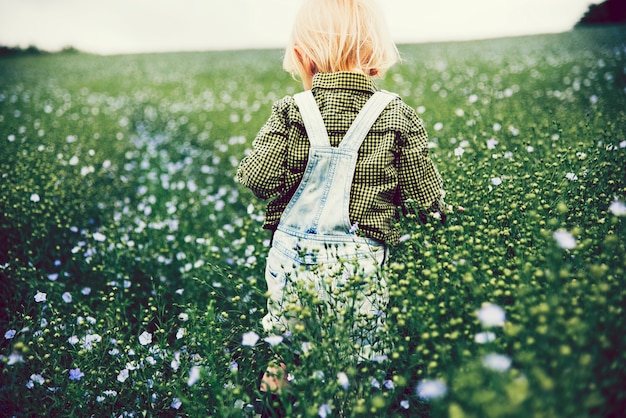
335, 162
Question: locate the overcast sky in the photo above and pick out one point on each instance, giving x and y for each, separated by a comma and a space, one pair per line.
129, 26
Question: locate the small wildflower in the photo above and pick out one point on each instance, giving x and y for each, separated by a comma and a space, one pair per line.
37, 378
176, 403
175, 363
145, 338
484, 337
67, 297
617, 208
123, 375
34, 198
9, 334
273, 340
497, 362
40, 297
324, 410
250, 338
491, 315
564, 239
404, 404
496, 181
571, 176
429, 389
194, 375
100, 237
343, 380
76, 374
180, 333
15, 358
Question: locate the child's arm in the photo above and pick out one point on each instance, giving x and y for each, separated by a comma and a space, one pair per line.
420, 183
262, 171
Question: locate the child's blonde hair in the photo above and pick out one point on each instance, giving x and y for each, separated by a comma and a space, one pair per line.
340, 35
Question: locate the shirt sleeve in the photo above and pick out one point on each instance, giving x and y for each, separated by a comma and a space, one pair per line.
263, 170
420, 183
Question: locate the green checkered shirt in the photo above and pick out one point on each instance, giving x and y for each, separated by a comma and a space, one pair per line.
393, 166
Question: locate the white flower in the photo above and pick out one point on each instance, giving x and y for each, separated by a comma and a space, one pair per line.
67, 297
176, 403
145, 338
37, 378
491, 143
404, 404
34, 198
123, 375
15, 358
497, 362
40, 297
86, 291
175, 363
491, 315
233, 367
343, 380
571, 176
9, 334
459, 151
496, 181
99, 237
183, 316
429, 389
73, 340
250, 338
565, 239
438, 126
306, 347
484, 337
617, 208
324, 410
180, 333
194, 375
274, 340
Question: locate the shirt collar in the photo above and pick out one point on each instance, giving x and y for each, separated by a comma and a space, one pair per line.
344, 80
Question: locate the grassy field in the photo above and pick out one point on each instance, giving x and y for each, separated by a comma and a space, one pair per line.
131, 263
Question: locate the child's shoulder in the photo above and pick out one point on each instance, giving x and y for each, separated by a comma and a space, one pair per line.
399, 114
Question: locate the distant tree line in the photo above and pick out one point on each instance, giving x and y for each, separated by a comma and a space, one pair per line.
608, 12
14, 51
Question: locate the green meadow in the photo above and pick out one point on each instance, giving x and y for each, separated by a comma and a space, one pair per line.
131, 263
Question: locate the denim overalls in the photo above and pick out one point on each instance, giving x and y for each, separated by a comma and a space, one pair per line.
316, 260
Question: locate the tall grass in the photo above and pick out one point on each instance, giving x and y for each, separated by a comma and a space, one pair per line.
131, 264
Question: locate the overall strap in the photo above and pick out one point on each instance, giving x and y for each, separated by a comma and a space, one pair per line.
365, 119
316, 130
313, 122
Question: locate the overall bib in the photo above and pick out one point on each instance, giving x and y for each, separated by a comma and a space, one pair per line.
317, 265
